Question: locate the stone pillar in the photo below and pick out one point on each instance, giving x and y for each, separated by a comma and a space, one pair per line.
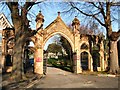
77, 60
77, 63
38, 61
38, 55
102, 65
91, 64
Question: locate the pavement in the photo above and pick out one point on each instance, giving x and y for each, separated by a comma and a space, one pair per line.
57, 78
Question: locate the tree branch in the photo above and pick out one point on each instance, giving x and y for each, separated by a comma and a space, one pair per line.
10, 5
98, 20
28, 5
91, 15
94, 5
102, 10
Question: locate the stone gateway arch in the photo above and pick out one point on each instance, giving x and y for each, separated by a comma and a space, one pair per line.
79, 43
56, 27
72, 35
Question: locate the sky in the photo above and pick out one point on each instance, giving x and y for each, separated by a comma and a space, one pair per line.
49, 11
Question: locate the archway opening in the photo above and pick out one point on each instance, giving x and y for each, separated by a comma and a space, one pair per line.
9, 54
96, 57
58, 53
84, 56
84, 60
8, 60
118, 46
28, 57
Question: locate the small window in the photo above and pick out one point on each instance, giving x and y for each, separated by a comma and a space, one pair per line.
84, 46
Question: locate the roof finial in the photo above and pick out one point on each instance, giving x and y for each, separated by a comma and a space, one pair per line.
75, 21
58, 13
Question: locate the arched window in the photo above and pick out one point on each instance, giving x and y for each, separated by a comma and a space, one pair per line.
84, 46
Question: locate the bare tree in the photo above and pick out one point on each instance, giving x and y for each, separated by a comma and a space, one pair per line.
104, 14
19, 12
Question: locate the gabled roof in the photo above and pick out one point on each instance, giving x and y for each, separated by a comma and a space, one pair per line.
4, 23
55, 21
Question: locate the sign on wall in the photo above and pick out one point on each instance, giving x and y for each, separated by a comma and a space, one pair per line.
39, 59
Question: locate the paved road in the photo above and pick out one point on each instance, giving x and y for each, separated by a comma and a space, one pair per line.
57, 78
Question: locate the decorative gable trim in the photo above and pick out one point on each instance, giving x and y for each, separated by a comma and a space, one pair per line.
4, 23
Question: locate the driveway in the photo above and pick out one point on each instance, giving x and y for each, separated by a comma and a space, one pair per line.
57, 78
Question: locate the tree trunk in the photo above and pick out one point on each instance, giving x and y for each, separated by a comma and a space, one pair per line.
17, 63
114, 67
21, 24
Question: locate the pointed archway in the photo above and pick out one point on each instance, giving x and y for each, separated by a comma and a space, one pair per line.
60, 57
56, 27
